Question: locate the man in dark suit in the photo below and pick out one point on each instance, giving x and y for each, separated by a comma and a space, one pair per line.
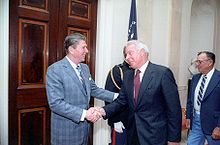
119, 121
69, 88
154, 116
203, 104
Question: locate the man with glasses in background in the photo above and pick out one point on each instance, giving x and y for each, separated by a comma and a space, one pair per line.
203, 104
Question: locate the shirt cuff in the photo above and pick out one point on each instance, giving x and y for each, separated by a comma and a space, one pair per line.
115, 96
83, 115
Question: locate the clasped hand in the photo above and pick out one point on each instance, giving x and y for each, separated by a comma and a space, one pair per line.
93, 114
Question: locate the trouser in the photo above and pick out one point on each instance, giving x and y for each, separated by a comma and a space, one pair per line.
196, 135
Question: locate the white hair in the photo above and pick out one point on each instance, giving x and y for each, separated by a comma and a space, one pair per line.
139, 45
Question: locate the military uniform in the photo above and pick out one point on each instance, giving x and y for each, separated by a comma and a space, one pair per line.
113, 83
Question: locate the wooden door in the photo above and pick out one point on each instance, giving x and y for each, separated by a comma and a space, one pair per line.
37, 32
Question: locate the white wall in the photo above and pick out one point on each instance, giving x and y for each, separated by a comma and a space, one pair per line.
154, 20
181, 13
202, 26
112, 27
217, 34
4, 28
160, 31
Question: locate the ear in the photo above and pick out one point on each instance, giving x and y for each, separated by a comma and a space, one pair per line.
71, 50
211, 62
142, 52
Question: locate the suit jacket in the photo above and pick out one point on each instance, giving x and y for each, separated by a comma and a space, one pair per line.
157, 114
210, 105
109, 85
67, 98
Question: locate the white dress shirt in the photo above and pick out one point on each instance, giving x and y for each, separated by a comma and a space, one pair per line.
209, 76
142, 69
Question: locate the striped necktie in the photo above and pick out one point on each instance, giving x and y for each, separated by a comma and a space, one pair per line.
201, 90
79, 69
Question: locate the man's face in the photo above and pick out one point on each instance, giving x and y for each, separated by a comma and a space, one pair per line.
80, 51
132, 56
203, 63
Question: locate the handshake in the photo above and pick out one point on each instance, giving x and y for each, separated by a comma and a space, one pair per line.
93, 114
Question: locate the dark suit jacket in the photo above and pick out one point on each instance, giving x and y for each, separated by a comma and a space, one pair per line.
118, 77
157, 115
210, 106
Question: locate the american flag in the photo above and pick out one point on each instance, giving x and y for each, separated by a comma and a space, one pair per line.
132, 28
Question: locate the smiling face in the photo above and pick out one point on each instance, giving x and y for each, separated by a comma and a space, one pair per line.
78, 52
135, 57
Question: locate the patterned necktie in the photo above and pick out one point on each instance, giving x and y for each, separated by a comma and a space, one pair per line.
201, 90
80, 76
136, 85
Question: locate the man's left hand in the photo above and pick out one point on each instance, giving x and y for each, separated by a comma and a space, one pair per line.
216, 133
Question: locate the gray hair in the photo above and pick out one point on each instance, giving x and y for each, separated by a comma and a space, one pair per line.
73, 39
139, 45
209, 54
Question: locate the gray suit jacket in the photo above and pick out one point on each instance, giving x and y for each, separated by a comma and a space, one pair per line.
67, 98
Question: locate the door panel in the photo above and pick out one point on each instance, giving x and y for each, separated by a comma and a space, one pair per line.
32, 50
29, 120
37, 32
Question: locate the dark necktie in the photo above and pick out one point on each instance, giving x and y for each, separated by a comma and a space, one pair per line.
80, 77
201, 90
136, 85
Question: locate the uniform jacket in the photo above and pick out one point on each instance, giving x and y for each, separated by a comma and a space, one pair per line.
114, 83
67, 98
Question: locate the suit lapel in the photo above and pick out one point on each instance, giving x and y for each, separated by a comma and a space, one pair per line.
71, 72
147, 77
194, 84
85, 78
213, 82
130, 86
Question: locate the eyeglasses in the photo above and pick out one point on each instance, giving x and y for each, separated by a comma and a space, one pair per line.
201, 61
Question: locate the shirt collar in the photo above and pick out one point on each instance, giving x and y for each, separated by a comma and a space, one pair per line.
210, 73
143, 67
71, 63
